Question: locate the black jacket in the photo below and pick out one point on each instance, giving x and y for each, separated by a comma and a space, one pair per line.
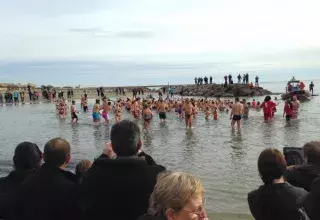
49, 194
118, 188
303, 175
311, 202
150, 217
275, 202
9, 187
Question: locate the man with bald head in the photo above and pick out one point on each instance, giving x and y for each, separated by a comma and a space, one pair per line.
50, 192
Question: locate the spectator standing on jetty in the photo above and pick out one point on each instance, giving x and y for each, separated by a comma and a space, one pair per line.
121, 180
98, 92
167, 204
257, 81
303, 175
230, 78
247, 78
239, 78
210, 79
27, 158
244, 79
50, 192
196, 80
276, 199
206, 80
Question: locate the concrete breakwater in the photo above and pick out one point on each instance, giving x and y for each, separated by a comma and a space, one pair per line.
217, 90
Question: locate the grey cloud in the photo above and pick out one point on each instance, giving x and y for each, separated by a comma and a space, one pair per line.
135, 34
87, 30
98, 32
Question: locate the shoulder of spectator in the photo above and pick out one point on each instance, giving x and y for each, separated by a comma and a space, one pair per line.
103, 156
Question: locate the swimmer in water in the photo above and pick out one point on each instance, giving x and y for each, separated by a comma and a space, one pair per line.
215, 114
85, 103
254, 104
74, 117
162, 111
147, 115
118, 111
236, 113
288, 110
246, 109
207, 113
61, 110
188, 112
268, 108
96, 112
106, 109
136, 108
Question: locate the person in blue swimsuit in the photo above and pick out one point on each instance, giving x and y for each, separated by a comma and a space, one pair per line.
96, 112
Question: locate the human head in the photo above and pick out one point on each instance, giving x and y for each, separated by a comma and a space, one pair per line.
57, 153
294, 98
27, 156
311, 152
82, 167
267, 98
97, 101
73, 102
271, 165
236, 99
125, 138
178, 196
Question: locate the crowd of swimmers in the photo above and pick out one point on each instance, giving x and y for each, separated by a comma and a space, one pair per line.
184, 108
125, 183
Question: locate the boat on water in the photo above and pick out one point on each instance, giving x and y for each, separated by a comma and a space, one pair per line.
296, 88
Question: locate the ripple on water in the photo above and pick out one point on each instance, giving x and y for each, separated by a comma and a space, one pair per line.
225, 161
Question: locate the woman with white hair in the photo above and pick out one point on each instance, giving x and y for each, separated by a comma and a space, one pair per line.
176, 196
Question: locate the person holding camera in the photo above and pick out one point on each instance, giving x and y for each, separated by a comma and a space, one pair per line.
276, 199
303, 175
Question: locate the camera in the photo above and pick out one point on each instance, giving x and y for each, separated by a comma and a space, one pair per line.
293, 155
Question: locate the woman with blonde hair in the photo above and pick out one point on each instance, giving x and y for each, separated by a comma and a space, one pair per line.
176, 196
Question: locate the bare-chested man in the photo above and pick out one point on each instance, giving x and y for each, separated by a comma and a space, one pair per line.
118, 111
96, 112
236, 114
188, 110
106, 107
162, 106
296, 107
245, 109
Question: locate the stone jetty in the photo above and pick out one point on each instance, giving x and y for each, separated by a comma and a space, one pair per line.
217, 90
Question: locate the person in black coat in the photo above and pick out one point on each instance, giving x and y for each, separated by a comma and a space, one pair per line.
50, 193
276, 199
27, 158
121, 180
303, 175
311, 202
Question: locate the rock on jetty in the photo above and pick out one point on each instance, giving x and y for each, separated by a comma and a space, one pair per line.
216, 90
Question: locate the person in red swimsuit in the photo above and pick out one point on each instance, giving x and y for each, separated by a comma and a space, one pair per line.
268, 108
288, 110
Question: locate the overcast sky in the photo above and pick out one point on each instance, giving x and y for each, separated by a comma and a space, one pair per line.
256, 33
